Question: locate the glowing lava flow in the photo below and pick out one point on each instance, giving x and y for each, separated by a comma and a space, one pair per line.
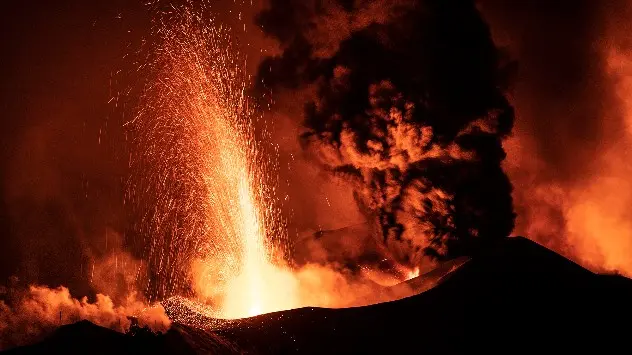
213, 222
412, 273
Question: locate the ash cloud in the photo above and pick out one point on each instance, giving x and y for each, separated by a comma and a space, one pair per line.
406, 103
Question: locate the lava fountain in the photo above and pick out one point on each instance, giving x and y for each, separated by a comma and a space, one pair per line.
213, 231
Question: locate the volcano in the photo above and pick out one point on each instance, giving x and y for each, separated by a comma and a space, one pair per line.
516, 296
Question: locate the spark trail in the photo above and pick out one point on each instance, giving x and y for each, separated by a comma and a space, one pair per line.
204, 188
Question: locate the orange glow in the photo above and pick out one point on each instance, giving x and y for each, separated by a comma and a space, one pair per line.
588, 219
41, 309
599, 218
412, 273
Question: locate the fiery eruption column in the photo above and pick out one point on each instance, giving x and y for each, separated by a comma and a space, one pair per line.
212, 223
232, 182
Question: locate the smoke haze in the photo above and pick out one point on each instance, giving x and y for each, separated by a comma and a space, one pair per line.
567, 159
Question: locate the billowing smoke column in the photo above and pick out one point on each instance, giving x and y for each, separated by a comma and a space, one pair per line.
407, 104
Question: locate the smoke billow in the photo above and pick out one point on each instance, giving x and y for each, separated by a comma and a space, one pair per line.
30, 310
34, 312
406, 103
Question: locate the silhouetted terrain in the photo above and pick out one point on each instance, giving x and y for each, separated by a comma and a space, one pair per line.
517, 296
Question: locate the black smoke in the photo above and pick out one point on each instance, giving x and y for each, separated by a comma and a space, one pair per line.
408, 105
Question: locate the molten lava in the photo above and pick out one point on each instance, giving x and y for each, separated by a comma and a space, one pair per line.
412, 273
214, 220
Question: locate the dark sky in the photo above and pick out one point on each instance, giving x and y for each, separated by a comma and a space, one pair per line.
60, 173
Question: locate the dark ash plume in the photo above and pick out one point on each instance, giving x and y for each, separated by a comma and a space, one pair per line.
409, 107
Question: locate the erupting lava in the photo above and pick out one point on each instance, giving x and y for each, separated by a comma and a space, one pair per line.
215, 220
412, 273
206, 188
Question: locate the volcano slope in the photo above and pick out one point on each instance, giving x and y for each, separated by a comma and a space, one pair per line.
516, 296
